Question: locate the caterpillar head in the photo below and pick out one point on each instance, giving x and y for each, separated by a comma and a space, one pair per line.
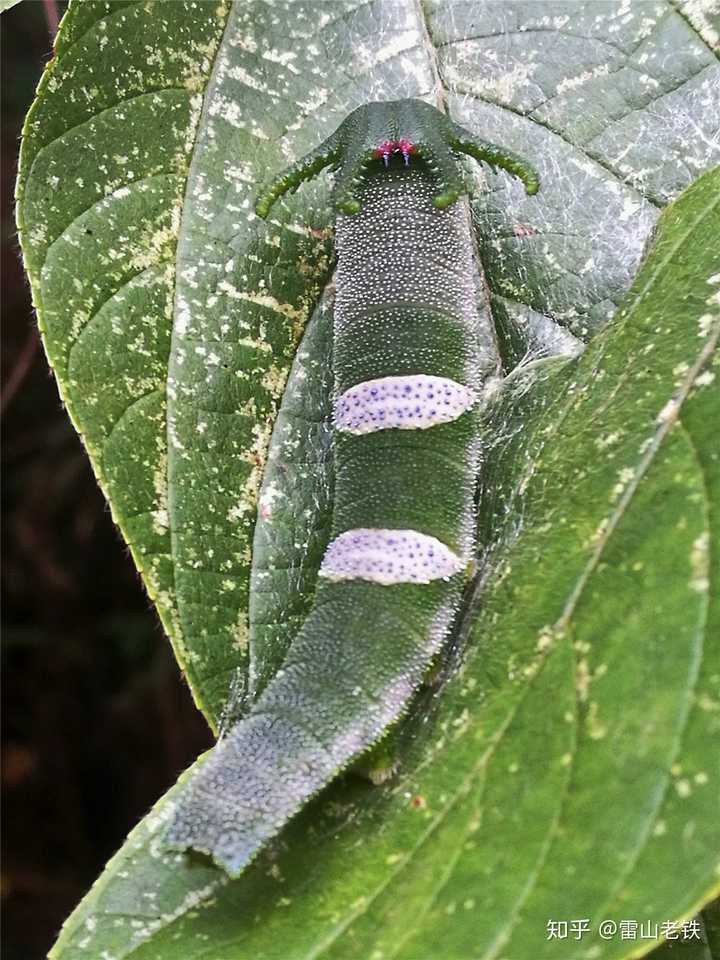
395, 131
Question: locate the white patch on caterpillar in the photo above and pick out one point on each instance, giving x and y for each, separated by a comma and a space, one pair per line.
407, 403
389, 556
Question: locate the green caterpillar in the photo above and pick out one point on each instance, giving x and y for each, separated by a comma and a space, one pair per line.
408, 363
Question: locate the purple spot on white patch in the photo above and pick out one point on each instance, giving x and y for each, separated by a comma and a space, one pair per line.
389, 556
405, 403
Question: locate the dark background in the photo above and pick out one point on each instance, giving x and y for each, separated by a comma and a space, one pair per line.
97, 722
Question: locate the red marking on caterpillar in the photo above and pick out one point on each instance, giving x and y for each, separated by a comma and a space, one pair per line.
387, 148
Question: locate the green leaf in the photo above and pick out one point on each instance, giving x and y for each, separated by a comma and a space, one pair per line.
561, 773
156, 327
564, 771
166, 309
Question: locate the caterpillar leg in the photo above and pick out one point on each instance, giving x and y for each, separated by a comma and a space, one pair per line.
439, 157
349, 180
380, 762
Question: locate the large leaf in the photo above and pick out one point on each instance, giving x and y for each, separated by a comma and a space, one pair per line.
167, 311
120, 262
564, 771
164, 304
